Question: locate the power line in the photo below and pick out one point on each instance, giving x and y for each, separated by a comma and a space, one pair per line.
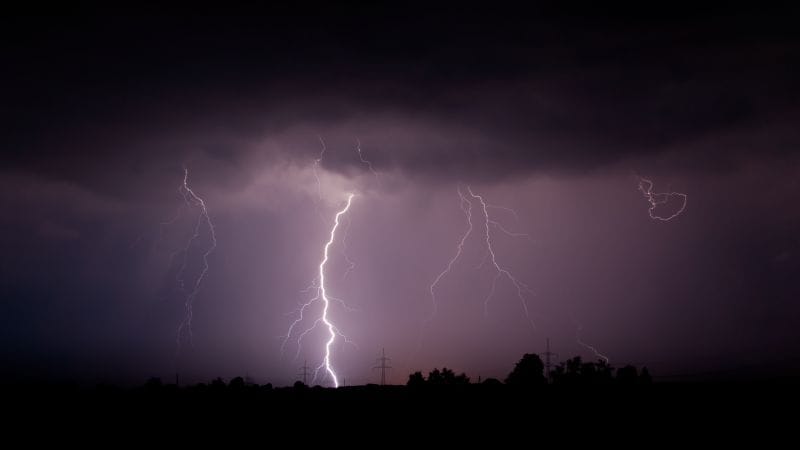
304, 372
382, 365
547, 356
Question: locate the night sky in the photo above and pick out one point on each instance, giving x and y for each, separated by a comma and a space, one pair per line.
554, 113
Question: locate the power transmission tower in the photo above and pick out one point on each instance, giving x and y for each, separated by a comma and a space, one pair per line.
382, 365
304, 372
547, 356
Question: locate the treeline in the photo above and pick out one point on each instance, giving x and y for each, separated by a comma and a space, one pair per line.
530, 371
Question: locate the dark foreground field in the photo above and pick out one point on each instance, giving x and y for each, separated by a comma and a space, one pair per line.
610, 414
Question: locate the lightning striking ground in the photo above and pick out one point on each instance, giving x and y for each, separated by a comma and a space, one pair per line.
325, 299
203, 219
660, 198
322, 297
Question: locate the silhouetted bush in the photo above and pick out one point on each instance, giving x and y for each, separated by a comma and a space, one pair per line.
218, 385
575, 371
237, 384
644, 376
416, 380
528, 372
627, 375
492, 382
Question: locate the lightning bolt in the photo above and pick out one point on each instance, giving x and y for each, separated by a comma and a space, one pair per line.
504, 208
659, 198
315, 170
587, 346
491, 256
466, 207
521, 287
351, 265
317, 164
366, 162
325, 299
507, 232
203, 218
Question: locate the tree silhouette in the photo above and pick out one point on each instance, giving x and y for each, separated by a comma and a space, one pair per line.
596, 373
237, 384
627, 375
435, 378
218, 385
448, 376
445, 377
574, 367
461, 379
415, 380
529, 371
575, 371
604, 372
644, 376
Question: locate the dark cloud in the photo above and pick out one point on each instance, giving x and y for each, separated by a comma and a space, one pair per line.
495, 94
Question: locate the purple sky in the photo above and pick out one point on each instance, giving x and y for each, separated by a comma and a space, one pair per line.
554, 114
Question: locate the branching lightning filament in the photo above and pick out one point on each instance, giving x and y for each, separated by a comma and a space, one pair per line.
521, 287
467, 207
365, 161
322, 296
203, 219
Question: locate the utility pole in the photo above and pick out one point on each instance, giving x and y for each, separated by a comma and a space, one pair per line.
304, 372
547, 356
382, 365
